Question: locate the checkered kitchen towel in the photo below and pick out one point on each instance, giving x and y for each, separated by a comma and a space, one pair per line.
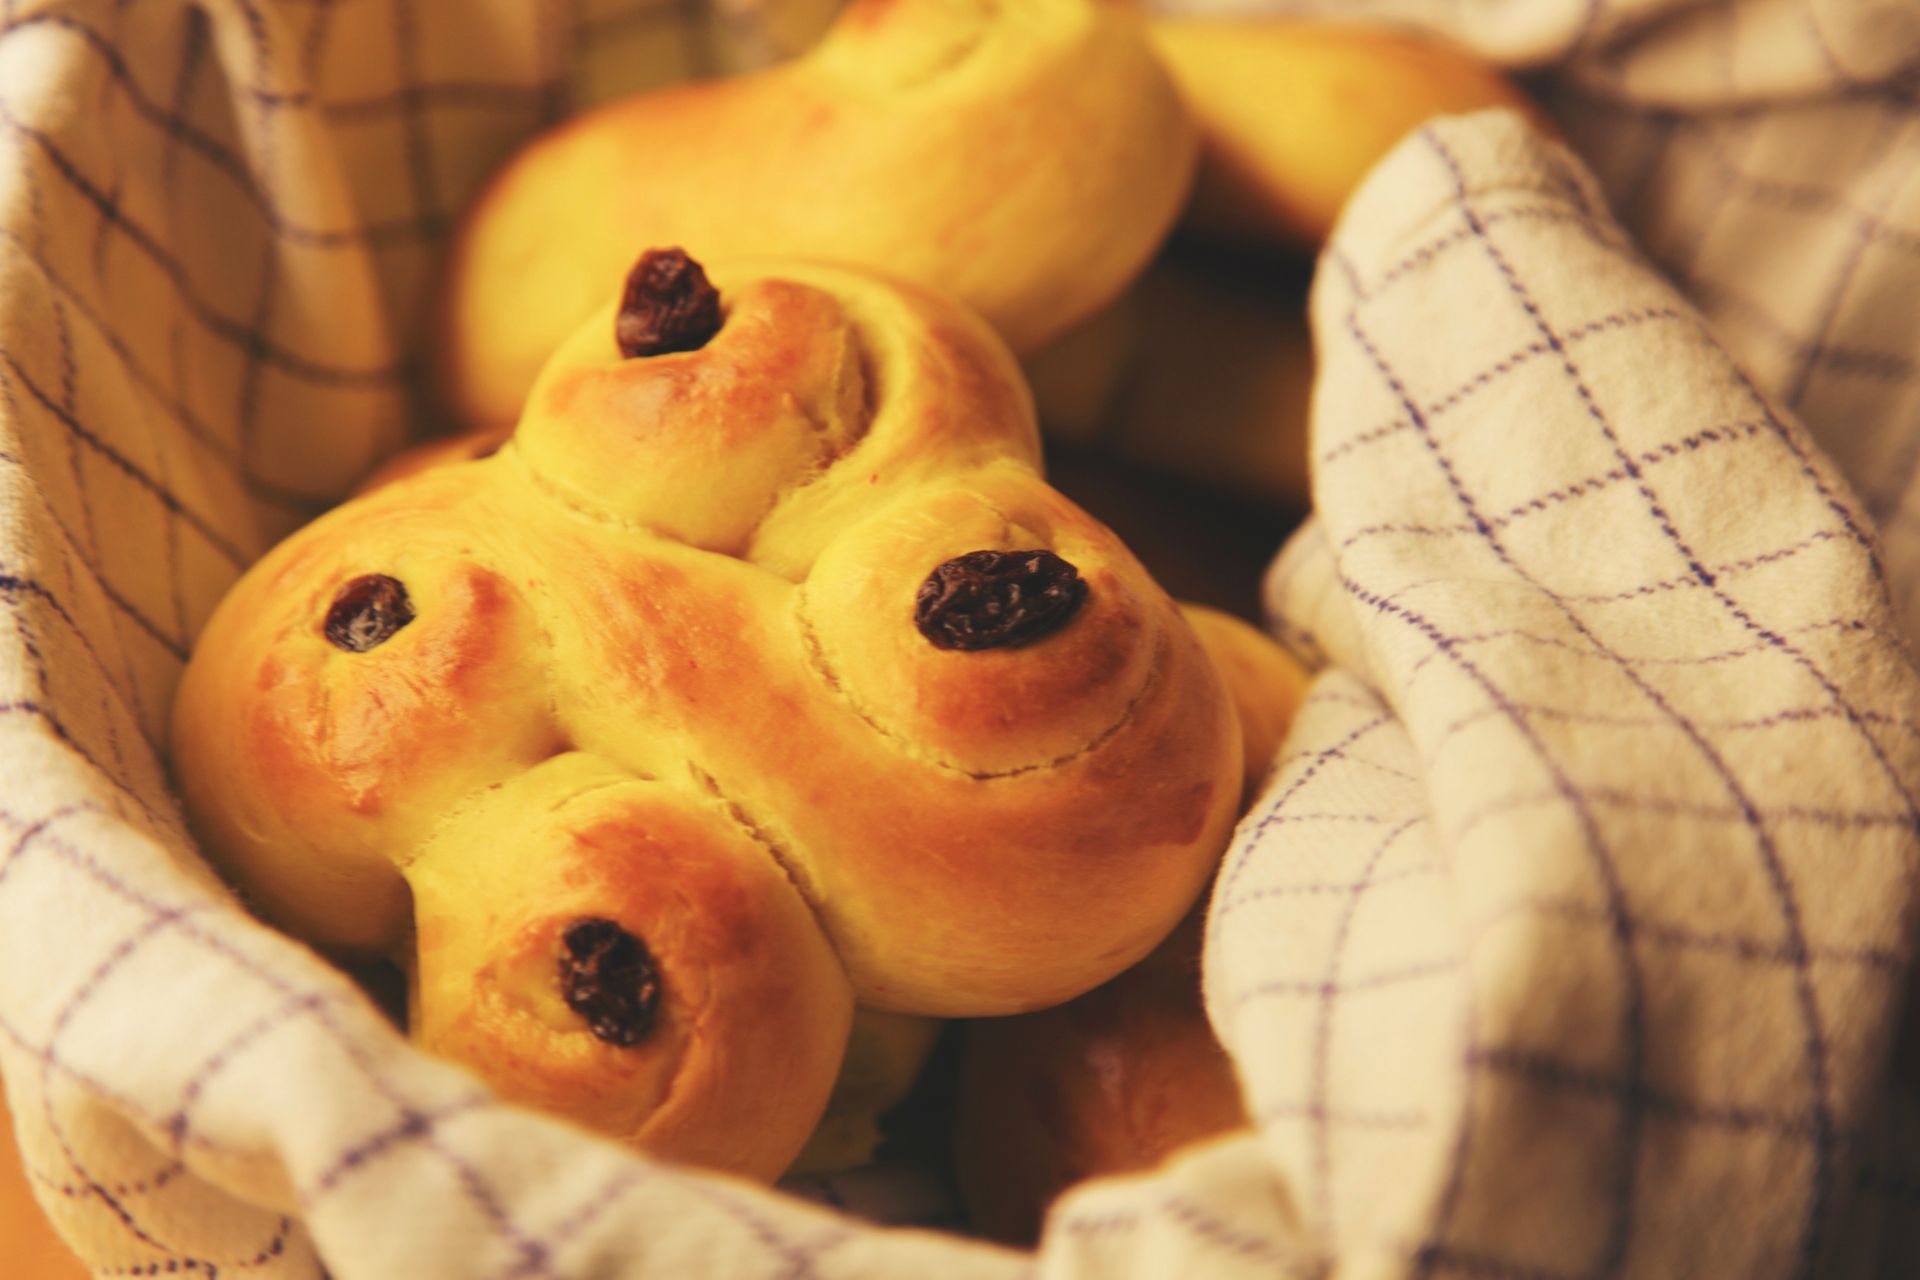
1570, 937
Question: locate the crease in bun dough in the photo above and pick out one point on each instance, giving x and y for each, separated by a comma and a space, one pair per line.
754, 678
1026, 158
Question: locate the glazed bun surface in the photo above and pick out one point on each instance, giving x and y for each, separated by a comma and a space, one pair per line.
875, 714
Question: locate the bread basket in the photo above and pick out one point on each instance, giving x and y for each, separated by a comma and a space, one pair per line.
1569, 935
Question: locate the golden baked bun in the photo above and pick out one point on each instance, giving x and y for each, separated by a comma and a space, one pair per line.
767, 588
1267, 685
1111, 1083
1293, 113
1024, 158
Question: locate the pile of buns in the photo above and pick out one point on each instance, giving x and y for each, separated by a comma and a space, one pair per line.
731, 677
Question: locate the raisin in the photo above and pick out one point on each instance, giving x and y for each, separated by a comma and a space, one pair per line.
667, 306
608, 978
997, 599
367, 611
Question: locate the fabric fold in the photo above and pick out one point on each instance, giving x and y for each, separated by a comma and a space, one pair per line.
1636, 631
1569, 935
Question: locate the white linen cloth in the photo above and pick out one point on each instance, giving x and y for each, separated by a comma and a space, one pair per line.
1570, 936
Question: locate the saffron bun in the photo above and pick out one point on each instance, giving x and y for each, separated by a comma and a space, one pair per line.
740, 683
1111, 1083
1294, 112
1026, 158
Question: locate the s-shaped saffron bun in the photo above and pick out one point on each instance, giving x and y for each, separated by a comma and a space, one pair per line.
1024, 157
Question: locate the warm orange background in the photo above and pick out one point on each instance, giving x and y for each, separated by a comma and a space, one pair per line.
28, 1246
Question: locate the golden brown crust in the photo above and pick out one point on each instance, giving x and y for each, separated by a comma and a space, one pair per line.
964, 147
1293, 113
945, 887
310, 767
1111, 1083
996, 711
700, 444
705, 710
751, 1012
